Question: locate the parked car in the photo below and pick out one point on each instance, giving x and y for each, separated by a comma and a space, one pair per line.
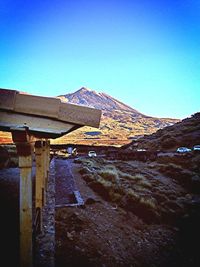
92, 154
196, 147
183, 150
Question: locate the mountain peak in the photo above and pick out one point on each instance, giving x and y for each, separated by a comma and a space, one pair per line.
87, 97
84, 89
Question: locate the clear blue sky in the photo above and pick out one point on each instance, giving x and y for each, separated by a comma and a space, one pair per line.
145, 53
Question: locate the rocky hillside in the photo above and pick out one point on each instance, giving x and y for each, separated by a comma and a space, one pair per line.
120, 123
184, 133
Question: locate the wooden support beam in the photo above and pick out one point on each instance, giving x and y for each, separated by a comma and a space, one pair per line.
25, 210
44, 166
25, 149
39, 179
42, 156
48, 157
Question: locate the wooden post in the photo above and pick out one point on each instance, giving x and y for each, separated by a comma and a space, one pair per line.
48, 157
39, 179
44, 167
47, 161
24, 149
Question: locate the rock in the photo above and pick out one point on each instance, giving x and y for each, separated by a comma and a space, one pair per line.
70, 236
90, 201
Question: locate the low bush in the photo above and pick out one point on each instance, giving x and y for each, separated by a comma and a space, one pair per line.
109, 174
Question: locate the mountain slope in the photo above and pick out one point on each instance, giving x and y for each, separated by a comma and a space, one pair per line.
87, 97
120, 123
184, 133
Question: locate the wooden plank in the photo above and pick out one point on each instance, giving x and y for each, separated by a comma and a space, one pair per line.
37, 105
52, 127
50, 107
79, 115
7, 99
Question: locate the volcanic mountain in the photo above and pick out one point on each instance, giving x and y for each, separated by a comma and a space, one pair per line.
87, 97
120, 123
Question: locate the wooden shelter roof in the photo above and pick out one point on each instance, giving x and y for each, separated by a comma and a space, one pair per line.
47, 117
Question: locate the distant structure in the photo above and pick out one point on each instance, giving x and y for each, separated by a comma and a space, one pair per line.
33, 120
69, 150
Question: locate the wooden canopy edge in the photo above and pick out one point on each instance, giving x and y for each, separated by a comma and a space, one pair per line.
46, 127
50, 107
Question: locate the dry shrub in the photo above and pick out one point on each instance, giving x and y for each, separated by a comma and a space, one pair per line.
160, 197
149, 202
139, 177
110, 166
83, 170
126, 189
99, 188
106, 184
139, 180
132, 194
178, 160
108, 174
169, 169
145, 184
88, 177
126, 175
87, 162
184, 177
174, 205
143, 207
114, 196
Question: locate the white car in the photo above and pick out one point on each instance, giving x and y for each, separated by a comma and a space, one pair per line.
197, 147
92, 154
183, 149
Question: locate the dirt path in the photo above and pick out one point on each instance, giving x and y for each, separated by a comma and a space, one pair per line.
64, 182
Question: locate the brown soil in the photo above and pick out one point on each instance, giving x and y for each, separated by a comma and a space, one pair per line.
108, 234
101, 233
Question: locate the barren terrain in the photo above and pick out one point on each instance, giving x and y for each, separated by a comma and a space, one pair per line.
149, 222
135, 213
